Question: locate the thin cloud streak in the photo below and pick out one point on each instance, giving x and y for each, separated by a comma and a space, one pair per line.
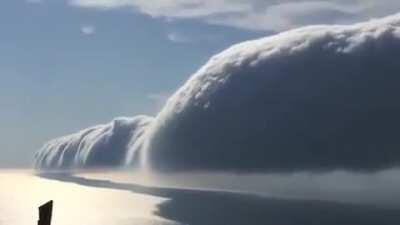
88, 29
34, 1
177, 37
253, 14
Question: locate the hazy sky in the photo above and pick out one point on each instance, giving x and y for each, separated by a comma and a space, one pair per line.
66, 65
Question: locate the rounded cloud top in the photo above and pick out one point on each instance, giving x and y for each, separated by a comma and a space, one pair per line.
315, 98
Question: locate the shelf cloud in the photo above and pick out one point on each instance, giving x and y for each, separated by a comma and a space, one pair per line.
316, 98
103, 145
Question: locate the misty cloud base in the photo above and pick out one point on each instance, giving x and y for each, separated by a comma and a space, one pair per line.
315, 98
99, 146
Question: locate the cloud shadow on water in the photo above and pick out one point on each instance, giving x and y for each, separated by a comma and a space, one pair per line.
204, 207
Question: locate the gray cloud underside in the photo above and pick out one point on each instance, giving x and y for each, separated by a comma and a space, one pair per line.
315, 98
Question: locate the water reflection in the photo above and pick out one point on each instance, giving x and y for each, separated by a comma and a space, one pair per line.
202, 207
22, 192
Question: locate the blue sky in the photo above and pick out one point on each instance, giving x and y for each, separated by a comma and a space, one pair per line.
56, 79
66, 65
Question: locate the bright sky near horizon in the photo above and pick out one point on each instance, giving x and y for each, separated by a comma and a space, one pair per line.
66, 65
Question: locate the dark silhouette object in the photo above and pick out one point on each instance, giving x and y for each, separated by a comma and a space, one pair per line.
45, 213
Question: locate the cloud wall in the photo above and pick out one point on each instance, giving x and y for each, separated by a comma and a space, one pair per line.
315, 98
99, 146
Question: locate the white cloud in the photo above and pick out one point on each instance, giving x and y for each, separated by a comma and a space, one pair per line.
255, 14
88, 29
169, 8
101, 145
310, 99
293, 14
305, 99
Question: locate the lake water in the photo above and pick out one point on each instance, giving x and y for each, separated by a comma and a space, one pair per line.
21, 192
126, 198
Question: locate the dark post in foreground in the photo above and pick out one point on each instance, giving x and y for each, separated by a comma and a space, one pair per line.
45, 212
